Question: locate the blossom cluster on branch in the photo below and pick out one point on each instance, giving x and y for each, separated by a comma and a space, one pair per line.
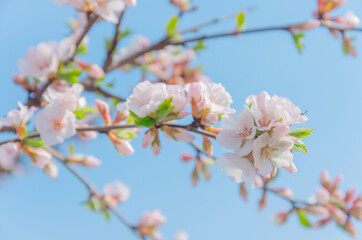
262, 135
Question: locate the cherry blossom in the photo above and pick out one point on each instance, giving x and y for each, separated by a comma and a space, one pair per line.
238, 168
55, 124
42, 159
18, 118
209, 100
107, 9
152, 138
238, 132
116, 192
146, 98
40, 62
67, 99
149, 223
8, 154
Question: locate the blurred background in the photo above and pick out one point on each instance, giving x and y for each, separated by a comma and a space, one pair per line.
321, 81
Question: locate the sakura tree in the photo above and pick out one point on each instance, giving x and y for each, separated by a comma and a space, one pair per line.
172, 100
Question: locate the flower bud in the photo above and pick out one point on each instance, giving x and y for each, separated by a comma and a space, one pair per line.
322, 196
103, 109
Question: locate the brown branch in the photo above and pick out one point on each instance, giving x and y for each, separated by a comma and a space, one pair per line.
115, 41
93, 191
104, 129
99, 90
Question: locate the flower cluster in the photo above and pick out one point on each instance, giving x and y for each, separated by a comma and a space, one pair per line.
107, 9
260, 137
149, 223
329, 204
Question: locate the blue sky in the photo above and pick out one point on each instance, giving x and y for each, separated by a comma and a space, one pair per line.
321, 80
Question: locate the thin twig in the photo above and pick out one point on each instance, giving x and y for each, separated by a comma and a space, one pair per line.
93, 191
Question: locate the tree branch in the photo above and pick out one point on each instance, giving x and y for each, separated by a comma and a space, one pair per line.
93, 191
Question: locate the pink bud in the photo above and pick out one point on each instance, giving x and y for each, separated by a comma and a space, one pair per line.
90, 162
310, 25
243, 192
356, 210
207, 146
325, 179
258, 181
322, 196
350, 195
351, 229
103, 109
116, 193
291, 168
338, 215
51, 170
93, 70
281, 218
284, 192
187, 157
318, 210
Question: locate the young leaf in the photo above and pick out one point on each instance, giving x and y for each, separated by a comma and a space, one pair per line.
298, 39
300, 147
35, 143
69, 74
199, 45
171, 26
106, 215
164, 109
303, 218
240, 19
144, 122
82, 112
125, 134
301, 133
81, 50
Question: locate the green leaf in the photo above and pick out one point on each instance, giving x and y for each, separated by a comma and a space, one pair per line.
95, 204
69, 74
144, 122
81, 50
124, 34
35, 143
164, 109
106, 215
303, 218
298, 39
171, 26
241, 19
82, 112
199, 45
301, 133
70, 149
125, 134
300, 147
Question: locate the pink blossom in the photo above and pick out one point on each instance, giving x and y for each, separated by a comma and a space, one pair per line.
8, 154
146, 98
352, 20
51, 170
116, 192
18, 118
181, 235
238, 132
238, 169
270, 152
67, 99
149, 223
55, 124
40, 62
42, 159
